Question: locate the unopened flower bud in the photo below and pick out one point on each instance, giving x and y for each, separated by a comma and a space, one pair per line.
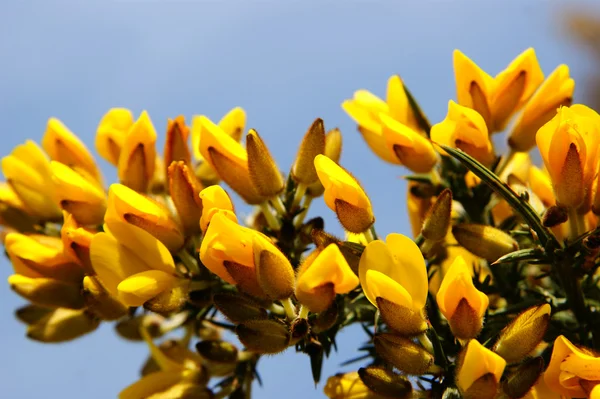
63, 325
523, 334
100, 302
264, 173
333, 151
386, 382
313, 144
176, 144
437, 221
484, 241
521, 380
217, 351
264, 336
171, 300
274, 271
555, 215
403, 354
185, 193
326, 319
47, 291
238, 308
129, 328
111, 133
31, 314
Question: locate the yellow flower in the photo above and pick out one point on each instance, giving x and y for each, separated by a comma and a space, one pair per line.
75, 194
215, 200
569, 146
137, 159
126, 205
229, 160
64, 147
541, 185
541, 390
344, 196
465, 129
76, 242
111, 133
366, 109
235, 254
479, 372
393, 277
572, 370
13, 213
412, 149
132, 264
232, 123
460, 302
348, 386
556, 91
323, 274
27, 171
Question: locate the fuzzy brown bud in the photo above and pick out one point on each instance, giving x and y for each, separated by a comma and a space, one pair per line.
313, 144
403, 354
264, 336
484, 241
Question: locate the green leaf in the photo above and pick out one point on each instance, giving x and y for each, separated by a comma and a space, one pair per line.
535, 254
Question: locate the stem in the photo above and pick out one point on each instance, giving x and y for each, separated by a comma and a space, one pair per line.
290, 309
300, 191
271, 219
426, 342
427, 246
368, 235
189, 261
576, 224
300, 218
303, 312
278, 205
278, 310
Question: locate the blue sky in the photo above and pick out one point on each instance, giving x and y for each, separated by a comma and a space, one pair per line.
286, 63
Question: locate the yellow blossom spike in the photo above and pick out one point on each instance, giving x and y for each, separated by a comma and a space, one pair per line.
63, 146
264, 173
185, 193
63, 325
111, 132
41, 256
27, 171
323, 275
571, 368
215, 200
137, 160
513, 87
176, 144
47, 291
556, 91
465, 129
479, 371
344, 196
569, 145
126, 205
229, 159
313, 145
76, 195
412, 149
460, 302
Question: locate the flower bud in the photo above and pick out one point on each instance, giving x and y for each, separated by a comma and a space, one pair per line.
344, 196
111, 133
523, 334
484, 241
274, 271
333, 151
126, 205
238, 308
176, 145
64, 147
313, 144
129, 328
76, 242
348, 386
403, 354
232, 123
386, 382
325, 319
437, 221
520, 381
215, 199
100, 302
264, 173
263, 336
479, 371
217, 351
47, 292
460, 302
169, 300
62, 325
84, 200
185, 193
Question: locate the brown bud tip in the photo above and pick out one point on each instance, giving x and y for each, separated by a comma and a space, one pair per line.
237, 308
401, 319
217, 351
485, 387
484, 241
264, 173
523, 378
323, 239
403, 353
264, 336
386, 382
555, 215
437, 220
353, 218
185, 189
275, 275
326, 319
465, 323
312, 145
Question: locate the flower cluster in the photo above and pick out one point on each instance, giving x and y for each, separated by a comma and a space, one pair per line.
495, 296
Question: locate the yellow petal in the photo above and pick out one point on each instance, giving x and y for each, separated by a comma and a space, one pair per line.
135, 290
137, 160
215, 199
399, 106
329, 266
111, 132
151, 384
233, 123
477, 362
379, 285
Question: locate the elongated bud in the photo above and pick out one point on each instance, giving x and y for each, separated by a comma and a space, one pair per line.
486, 242
81, 198
238, 308
264, 336
130, 328
31, 314
437, 221
403, 320
264, 173
326, 319
217, 351
100, 302
333, 151
47, 292
313, 144
63, 325
176, 145
386, 382
137, 159
403, 354
274, 271
523, 334
520, 381
185, 192
169, 301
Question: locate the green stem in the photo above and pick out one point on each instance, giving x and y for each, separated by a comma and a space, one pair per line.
369, 235
290, 309
300, 218
271, 219
576, 224
189, 261
278, 205
300, 191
